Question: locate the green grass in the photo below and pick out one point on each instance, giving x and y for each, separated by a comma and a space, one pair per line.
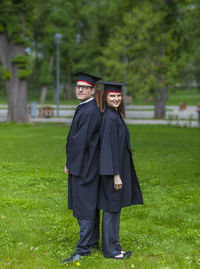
37, 230
191, 98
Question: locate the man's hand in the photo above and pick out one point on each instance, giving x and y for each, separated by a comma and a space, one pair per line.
66, 170
117, 182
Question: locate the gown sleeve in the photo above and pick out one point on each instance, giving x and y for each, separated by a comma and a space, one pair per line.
88, 126
109, 153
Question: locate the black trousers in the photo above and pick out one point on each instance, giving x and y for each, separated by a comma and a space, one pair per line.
110, 234
89, 234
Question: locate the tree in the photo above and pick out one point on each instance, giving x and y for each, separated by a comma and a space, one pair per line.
85, 27
190, 73
14, 33
61, 16
146, 50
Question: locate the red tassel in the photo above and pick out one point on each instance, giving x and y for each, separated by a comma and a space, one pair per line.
99, 99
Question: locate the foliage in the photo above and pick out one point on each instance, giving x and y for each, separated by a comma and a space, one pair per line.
24, 73
143, 50
5, 73
1, 28
21, 60
148, 44
146, 50
189, 73
37, 230
58, 19
12, 17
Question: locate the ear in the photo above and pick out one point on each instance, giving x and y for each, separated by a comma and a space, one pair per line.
93, 90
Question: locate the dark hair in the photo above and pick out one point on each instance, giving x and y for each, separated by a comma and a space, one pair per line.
104, 105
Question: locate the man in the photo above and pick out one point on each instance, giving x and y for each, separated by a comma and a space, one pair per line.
82, 166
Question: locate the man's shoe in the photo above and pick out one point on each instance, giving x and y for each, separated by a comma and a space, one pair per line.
94, 247
74, 257
85, 254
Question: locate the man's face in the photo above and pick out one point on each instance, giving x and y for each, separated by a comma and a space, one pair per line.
84, 91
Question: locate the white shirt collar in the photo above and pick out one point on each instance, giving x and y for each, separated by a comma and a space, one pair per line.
86, 101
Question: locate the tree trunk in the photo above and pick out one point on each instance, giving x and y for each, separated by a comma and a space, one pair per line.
67, 88
44, 87
16, 89
66, 94
17, 98
54, 95
160, 103
69, 92
43, 94
198, 85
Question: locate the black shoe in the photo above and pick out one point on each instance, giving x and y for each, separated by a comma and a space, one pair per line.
127, 254
122, 257
85, 254
118, 258
74, 257
94, 247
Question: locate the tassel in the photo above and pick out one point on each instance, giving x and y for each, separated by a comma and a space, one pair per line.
99, 99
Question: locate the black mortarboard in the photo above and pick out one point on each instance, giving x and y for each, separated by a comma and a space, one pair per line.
87, 78
112, 86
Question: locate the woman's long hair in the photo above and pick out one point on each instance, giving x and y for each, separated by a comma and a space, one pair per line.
104, 105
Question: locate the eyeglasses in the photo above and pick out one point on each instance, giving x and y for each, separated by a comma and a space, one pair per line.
83, 87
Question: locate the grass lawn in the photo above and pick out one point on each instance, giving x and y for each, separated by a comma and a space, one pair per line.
37, 230
191, 98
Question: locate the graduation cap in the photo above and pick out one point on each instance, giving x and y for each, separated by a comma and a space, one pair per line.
112, 86
87, 78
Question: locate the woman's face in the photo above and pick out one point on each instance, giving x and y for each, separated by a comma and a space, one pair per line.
114, 99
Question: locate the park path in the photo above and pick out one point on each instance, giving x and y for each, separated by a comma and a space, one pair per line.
68, 121
134, 115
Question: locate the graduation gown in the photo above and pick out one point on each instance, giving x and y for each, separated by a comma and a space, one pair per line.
82, 151
116, 158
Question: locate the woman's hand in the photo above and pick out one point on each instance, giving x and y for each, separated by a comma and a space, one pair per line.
117, 182
66, 170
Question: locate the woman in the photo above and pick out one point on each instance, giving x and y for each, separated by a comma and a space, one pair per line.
119, 186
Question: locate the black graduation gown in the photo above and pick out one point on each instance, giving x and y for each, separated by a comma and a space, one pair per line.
83, 160
116, 158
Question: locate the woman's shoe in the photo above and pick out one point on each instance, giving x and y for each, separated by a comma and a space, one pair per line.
123, 255
127, 254
119, 257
